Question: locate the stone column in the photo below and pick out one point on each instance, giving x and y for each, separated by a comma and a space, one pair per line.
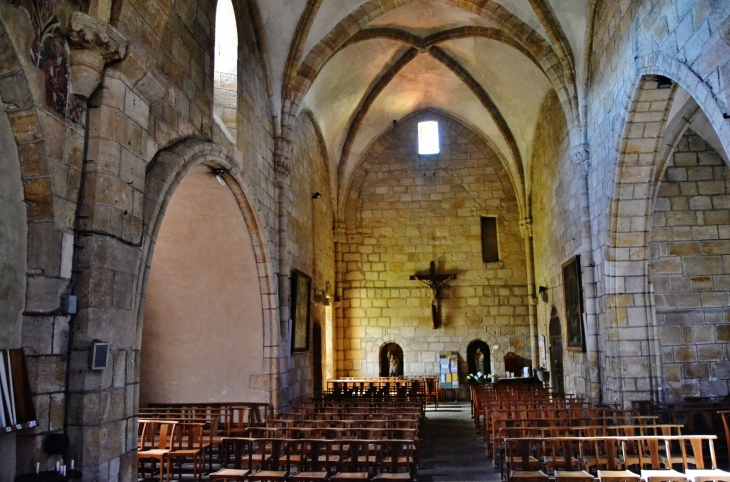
340, 238
580, 157
283, 177
102, 404
526, 231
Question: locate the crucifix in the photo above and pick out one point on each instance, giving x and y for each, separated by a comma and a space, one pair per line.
434, 282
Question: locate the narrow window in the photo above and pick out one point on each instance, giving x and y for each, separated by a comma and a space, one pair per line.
225, 80
490, 247
428, 138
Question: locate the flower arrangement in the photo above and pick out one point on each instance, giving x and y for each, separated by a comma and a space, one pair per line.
477, 377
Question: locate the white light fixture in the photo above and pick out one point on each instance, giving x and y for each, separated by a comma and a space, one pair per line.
428, 138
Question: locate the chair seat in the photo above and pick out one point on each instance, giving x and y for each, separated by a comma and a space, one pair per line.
528, 476
308, 476
392, 476
152, 453
663, 475
350, 476
239, 474
574, 475
269, 475
704, 475
618, 476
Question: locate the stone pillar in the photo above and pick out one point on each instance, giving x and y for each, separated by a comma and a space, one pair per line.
526, 231
283, 177
580, 157
102, 404
340, 238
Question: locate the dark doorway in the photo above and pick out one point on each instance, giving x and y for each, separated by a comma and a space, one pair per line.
477, 357
317, 360
391, 360
556, 352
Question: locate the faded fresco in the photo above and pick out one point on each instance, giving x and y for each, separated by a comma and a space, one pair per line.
49, 53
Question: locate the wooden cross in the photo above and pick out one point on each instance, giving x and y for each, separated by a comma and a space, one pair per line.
434, 281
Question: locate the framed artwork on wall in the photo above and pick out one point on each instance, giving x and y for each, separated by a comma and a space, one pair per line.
301, 291
573, 292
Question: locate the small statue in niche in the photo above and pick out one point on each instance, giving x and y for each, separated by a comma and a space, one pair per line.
394, 364
479, 360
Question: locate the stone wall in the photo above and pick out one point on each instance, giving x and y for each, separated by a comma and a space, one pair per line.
310, 240
690, 241
631, 41
13, 255
556, 184
404, 211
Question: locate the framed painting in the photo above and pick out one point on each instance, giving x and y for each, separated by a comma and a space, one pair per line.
301, 289
573, 292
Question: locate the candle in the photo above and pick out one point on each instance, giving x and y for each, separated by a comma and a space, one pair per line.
72, 464
37, 467
58, 466
63, 470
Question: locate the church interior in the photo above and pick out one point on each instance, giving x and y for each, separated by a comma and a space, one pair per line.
245, 200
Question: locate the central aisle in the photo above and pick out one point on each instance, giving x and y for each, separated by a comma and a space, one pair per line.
451, 450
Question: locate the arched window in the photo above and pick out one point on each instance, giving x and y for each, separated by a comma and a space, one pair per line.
225, 76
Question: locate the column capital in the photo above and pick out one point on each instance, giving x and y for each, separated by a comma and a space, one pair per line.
580, 155
93, 45
526, 227
340, 232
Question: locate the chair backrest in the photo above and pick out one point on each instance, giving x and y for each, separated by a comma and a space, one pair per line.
397, 456
188, 436
157, 434
354, 456
697, 457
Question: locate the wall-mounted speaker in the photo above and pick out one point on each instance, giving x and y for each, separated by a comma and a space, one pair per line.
100, 356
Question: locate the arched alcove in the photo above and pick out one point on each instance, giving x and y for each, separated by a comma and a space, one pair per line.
556, 351
391, 360
478, 357
203, 321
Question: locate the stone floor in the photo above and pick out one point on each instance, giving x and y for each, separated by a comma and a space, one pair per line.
451, 450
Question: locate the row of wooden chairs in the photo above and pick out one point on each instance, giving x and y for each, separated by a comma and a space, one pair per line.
613, 459
304, 460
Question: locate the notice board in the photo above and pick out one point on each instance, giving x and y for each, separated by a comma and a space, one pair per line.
449, 369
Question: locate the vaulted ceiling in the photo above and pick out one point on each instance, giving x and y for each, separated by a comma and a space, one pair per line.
358, 65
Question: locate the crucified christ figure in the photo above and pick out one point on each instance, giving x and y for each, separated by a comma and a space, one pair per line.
434, 283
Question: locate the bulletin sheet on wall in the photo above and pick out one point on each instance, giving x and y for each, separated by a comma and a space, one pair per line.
449, 369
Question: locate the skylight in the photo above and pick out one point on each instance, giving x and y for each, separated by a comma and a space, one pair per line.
428, 138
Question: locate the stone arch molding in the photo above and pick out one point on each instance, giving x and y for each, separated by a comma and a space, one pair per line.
638, 160
707, 101
164, 174
372, 349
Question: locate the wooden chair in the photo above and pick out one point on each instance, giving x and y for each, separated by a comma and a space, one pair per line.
655, 472
521, 464
559, 454
396, 461
355, 462
431, 390
155, 443
187, 444
316, 460
273, 457
700, 473
241, 448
